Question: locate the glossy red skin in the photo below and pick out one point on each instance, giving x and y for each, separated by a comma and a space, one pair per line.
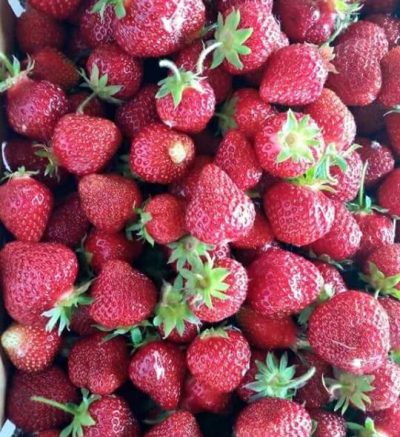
180, 423
387, 259
369, 119
388, 191
391, 26
29, 348
32, 416
98, 365
68, 223
135, 114
392, 307
286, 205
95, 108
218, 211
59, 9
49, 433
122, 296
224, 5
81, 322
329, 424
109, 200
392, 122
160, 27
84, 144
273, 416
351, 331
331, 276
150, 155
390, 94
282, 283
121, 69
101, 247
295, 75
334, 119
158, 369
236, 157
387, 421
219, 362
35, 30
242, 391
34, 276
34, 108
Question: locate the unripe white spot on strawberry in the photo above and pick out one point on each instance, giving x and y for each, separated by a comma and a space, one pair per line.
12, 340
177, 153
158, 367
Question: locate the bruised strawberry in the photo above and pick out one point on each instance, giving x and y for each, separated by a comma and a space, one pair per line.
388, 193
328, 424
58, 9
390, 95
179, 423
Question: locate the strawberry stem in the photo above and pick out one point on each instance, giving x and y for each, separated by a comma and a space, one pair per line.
139, 228
203, 56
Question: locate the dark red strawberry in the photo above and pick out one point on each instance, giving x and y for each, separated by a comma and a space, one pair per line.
390, 95
328, 424
391, 26
81, 322
49, 433
179, 423
369, 119
392, 308
58, 9
94, 108
388, 193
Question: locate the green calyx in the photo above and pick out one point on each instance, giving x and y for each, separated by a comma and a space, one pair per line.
80, 413
139, 228
101, 5
347, 14
276, 379
326, 294
366, 430
232, 40
215, 332
20, 173
395, 356
187, 250
51, 169
61, 314
10, 71
226, 120
382, 284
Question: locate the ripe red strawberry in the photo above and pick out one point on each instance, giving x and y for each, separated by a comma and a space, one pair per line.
334, 119
369, 119
332, 278
273, 416
94, 108
387, 421
392, 308
286, 205
81, 322
35, 31
288, 144
390, 95
109, 200
158, 368
299, 84
122, 296
98, 365
58, 9
161, 155
32, 416
25, 206
179, 423
386, 385
218, 211
391, 26
393, 131
219, 358
30, 349
121, 69
134, 115
328, 424
84, 144
351, 331
236, 157
224, 5
388, 193
49, 433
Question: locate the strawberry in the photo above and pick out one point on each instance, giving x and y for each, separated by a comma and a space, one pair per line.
135, 114
334, 119
332, 278
272, 291
122, 296
236, 157
49, 433
121, 69
94, 108
328, 424
295, 75
393, 131
219, 358
161, 155
59, 9
218, 211
369, 119
392, 307
29, 348
35, 31
273, 416
179, 424
350, 331
390, 95
391, 26
224, 5
109, 200
286, 205
386, 421
98, 365
84, 144
245, 393
33, 416
25, 206
288, 144
265, 332
388, 192
158, 368
81, 322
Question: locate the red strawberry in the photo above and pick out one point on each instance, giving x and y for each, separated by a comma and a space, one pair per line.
81, 322
236, 157
49, 433
295, 75
388, 193
350, 331
390, 95
98, 365
134, 115
58, 9
158, 368
30, 349
369, 119
219, 358
121, 69
328, 424
391, 26
32, 416
179, 423
94, 108
393, 131
273, 416
387, 421
332, 278
224, 5
122, 296
25, 206
161, 155
392, 308
286, 205
218, 211
109, 200
84, 144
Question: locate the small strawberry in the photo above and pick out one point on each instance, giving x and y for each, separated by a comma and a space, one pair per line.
179, 424
392, 308
58, 9
390, 95
332, 278
388, 192
30, 349
161, 155
328, 424
391, 26
94, 108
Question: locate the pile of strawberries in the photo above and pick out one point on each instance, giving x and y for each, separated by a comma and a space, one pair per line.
196, 242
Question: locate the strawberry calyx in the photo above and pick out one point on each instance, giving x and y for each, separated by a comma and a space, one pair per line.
327, 292
395, 356
276, 379
139, 228
21, 173
347, 14
220, 331
51, 169
101, 5
80, 413
226, 120
186, 251
10, 71
366, 430
386, 285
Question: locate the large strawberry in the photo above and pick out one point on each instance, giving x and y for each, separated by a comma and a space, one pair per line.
179, 423
390, 95
59, 9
